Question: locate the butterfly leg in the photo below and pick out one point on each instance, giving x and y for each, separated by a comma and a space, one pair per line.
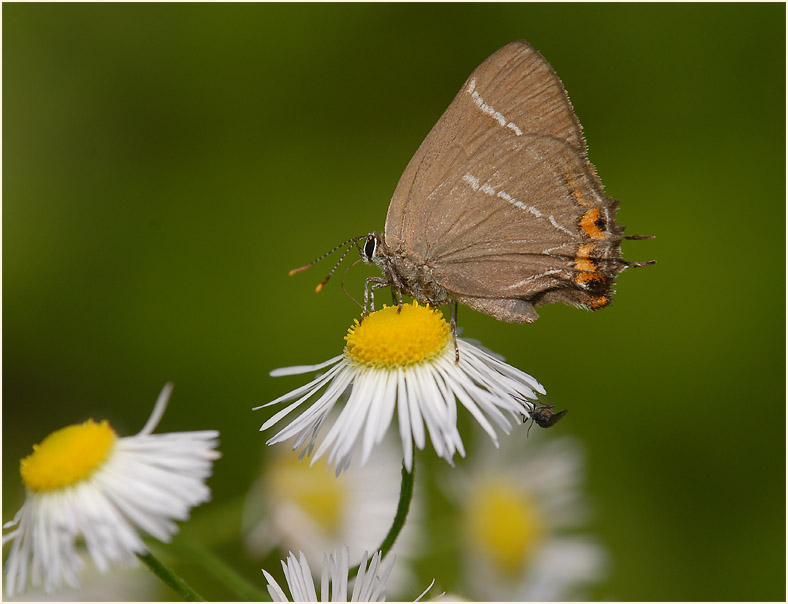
371, 284
396, 285
372, 292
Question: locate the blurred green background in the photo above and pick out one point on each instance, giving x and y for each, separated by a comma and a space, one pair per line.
165, 165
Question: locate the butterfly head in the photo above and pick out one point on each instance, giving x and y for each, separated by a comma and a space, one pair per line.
369, 251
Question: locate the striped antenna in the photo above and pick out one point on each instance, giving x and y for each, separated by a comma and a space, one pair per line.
319, 258
320, 285
336, 266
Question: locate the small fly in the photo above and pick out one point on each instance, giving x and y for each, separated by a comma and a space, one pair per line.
544, 416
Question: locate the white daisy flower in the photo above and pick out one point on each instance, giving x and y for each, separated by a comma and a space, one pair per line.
295, 506
403, 359
370, 584
523, 511
84, 482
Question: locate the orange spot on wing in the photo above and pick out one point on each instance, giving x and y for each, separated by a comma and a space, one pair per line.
576, 192
586, 265
589, 279
584, 251
578, 195
588, 224
598, 302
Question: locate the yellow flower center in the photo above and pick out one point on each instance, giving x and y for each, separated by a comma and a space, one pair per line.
319, 493
394, 337
505, 524
67, 456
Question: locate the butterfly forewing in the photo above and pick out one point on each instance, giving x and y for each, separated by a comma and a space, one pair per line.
514, 93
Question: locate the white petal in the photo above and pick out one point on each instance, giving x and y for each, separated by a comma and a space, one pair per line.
297, 369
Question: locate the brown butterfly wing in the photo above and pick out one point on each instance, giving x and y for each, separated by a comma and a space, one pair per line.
500, 202
514, 90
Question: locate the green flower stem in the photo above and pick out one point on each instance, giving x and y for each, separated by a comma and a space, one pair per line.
403, 507
224, 574
170, 578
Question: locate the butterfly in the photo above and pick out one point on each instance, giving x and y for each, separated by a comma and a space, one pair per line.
500, 209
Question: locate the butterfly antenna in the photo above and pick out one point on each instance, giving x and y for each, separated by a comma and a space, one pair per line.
319, 258
336, 266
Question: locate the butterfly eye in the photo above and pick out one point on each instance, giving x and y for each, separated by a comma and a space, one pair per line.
369, 247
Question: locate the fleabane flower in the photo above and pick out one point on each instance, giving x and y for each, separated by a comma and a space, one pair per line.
298, 507
370, 585
523, 517
404, 359
85, 482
